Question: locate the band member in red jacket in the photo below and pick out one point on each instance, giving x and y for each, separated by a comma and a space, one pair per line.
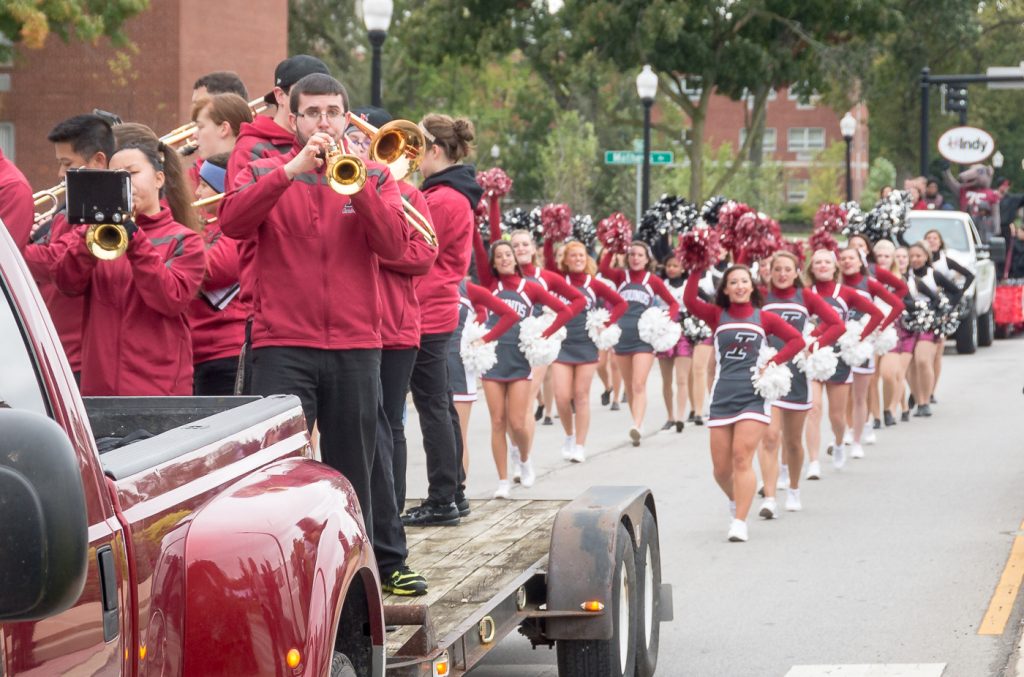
136, 336
316, 329
16, 207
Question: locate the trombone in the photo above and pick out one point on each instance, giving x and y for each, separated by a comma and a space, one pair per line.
183, 134
53, 195
206, 202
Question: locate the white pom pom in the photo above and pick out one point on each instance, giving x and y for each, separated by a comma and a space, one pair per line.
655, 327
820, 365
852, 350
540, 351
885, 341
776, 380
603, 335
477, 358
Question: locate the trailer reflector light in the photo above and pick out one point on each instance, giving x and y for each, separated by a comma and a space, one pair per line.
593, 605
293, 658
441, 665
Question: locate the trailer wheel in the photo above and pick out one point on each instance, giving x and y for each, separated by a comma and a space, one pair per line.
986, 329
341, 666
967, 334
648, 567
615, 657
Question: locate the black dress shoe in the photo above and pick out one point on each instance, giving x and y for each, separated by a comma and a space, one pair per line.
905, 417
697, 420
430, 514
548, 421
877, 424
538, 414
690, 418
462, 503
606, 398
679, 426
889, 419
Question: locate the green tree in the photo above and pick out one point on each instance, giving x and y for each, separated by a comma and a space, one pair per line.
567, 161
827, 173
881, 173
30, 21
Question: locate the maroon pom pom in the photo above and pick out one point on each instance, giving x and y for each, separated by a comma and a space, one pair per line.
495, 182
481, 213
822, 239
795, 247
699, 249
830, 218
615, 232
557, 221
754, 237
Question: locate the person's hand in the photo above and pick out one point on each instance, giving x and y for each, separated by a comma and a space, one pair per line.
311, 157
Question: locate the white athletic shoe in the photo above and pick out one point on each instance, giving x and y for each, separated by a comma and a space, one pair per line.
528, 477
514, 464
856, 451
504, 489
568, 447
732, 509
783, 477
769, 509
793, 500
848, 436
635, 435
813, 470
579, 454
838, 456
869, 436
738, 531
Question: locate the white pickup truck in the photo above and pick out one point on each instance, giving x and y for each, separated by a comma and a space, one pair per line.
964, 246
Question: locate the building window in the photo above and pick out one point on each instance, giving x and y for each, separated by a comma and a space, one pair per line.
803, 101
6, 46
796, 190
802, 139
769, 142
691, 87
7, 139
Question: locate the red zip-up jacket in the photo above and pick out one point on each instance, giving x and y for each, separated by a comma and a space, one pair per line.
67, 312
316, 253
400, 309
261, 138
136, 338
16, 206
217, 334
438, 290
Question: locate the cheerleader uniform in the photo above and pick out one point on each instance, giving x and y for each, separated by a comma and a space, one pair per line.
843, 300
638, 288
463, 383
870, 289
578, 348
706, 290
795, 306
740, 331
924, 284
683, 348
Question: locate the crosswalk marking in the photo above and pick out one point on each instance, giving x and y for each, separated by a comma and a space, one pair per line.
876, 670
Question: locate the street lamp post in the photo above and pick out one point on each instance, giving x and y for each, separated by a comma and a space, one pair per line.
647, 88
848, 127
377, 15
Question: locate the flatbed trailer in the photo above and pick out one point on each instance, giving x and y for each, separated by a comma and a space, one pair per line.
583, 576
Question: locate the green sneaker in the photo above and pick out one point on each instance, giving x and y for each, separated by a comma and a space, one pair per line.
405, 582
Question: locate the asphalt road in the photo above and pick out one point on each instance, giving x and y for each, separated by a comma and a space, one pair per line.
893, 561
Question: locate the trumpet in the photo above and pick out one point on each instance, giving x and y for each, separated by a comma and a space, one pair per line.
346, 173
183, 134
106, 241
398, 144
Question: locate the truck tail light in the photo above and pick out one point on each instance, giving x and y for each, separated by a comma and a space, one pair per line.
441, 665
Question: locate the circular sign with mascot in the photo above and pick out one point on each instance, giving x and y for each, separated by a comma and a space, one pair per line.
966, 145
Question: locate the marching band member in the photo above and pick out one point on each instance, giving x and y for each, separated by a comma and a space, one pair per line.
219, 82
17, 209
219, 119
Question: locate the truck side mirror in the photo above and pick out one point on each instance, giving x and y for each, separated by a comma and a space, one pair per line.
997, 248
43, 526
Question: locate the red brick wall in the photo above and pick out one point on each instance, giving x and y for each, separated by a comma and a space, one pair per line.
176, 41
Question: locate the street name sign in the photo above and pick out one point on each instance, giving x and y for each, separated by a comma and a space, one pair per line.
632, 157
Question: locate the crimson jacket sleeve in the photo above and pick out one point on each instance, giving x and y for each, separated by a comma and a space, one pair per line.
541, 297
379, 205
244, 208
661, 290
775, 325
420, 256
72, 272
481, 298
894, 302
222, 262
483, 266
17, 210
855, 300
167, 286
893, 282
697, 307
616, 275
831, 326
557, 284
609, 295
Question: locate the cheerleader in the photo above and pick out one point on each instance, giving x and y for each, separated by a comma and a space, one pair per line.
507, 384
739, 416
888, 371
924, 282
950, 269
906, 342
607, 367
475, 300
787, 298
703, 349
675, 362
639, 287
573, 371
822, 276
855, 275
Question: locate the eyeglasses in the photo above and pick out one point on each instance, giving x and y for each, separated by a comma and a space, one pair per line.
331, 114
358, 139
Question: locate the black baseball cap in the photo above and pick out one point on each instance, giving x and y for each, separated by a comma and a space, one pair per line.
378, 117
293, 69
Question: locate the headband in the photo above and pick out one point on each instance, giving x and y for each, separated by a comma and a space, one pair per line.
213, 175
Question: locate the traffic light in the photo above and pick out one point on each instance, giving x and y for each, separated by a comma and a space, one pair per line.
955, 99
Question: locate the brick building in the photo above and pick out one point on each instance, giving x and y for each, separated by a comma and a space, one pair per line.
795, 131
175, 42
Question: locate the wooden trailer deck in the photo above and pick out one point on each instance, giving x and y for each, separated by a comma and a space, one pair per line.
469, 565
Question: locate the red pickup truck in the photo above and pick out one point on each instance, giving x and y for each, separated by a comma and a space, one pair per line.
214, 530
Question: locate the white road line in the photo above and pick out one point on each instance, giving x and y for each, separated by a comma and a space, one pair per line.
877, 670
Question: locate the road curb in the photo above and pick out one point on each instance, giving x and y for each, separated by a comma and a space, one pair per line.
1015, 666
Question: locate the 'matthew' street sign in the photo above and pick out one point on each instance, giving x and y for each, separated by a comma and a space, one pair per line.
632, 157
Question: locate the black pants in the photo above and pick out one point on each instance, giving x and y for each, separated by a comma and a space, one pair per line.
247, 360
432, 396
395, 372
340, 390
215, 377
389, 546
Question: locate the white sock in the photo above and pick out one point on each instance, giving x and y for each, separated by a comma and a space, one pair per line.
732, 509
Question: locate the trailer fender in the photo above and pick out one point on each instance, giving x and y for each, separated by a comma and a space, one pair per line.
268, 564
581, 561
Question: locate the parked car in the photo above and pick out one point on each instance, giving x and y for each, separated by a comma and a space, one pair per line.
964, 246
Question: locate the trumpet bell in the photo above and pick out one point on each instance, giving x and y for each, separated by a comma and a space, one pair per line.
106, 241
399, 144
346, 174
